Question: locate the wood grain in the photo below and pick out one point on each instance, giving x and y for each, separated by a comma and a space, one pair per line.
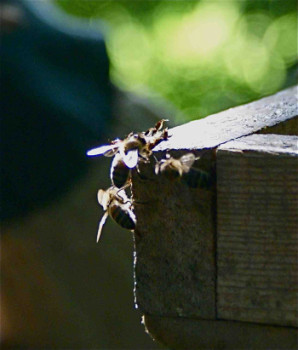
175, 237
188, 275
174, 246
262, 115
257, 232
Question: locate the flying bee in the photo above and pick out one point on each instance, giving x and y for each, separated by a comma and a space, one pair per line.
134, 145
129, 151
173, 168
116, 204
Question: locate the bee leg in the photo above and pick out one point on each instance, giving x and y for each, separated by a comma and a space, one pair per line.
145, 158
123, 187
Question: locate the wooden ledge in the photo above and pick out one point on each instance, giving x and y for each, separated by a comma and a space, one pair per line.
259, 116
228, 252
185, 333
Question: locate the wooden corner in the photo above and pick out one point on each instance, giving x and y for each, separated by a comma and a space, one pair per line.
229, 251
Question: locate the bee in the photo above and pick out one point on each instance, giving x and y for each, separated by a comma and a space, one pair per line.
173, 168
156, 135
118, 206
128, 148
126, 156
129, 151
159, 126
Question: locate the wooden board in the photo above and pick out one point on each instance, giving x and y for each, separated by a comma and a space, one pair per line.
188, 333
174, 245
257, 116
175, 237
257, 232
182, 283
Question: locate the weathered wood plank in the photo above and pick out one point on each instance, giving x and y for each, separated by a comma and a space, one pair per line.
264, 114
174, 242
175, 237
288, 127
257, 232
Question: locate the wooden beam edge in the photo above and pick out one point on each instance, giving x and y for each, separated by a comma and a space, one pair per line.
216, 129
186, 333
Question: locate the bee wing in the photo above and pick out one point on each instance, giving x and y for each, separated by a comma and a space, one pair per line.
187, 161
106, 150
102, 197
100, 226
131, 158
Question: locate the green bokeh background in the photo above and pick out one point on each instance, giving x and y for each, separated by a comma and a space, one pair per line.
201, 56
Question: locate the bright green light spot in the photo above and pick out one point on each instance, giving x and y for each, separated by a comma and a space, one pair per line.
202, 56
273, 78
196, 36
281, 37
130, 51
254, 62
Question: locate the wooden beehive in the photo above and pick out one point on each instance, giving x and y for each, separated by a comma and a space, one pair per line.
217, 267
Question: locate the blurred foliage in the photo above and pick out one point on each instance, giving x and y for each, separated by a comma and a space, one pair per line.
202, 56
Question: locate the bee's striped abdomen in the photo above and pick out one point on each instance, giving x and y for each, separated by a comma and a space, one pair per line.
119, 172
123, 217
